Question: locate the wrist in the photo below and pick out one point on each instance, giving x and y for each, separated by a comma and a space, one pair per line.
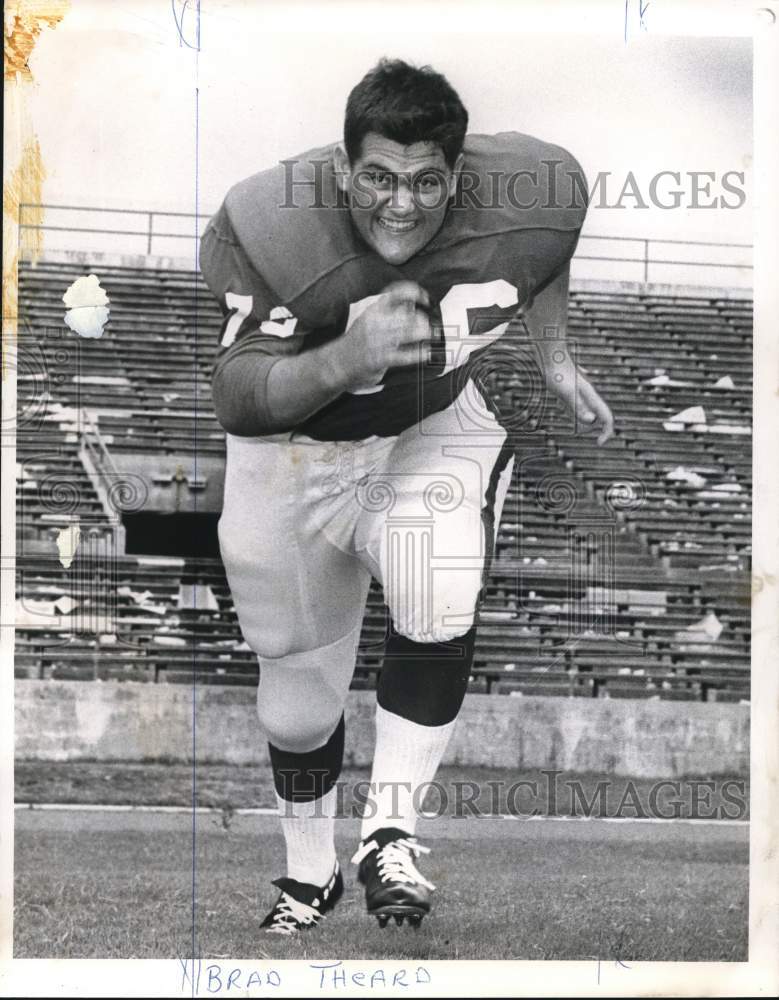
329, 369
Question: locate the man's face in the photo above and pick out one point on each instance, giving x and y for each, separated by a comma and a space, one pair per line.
397, 194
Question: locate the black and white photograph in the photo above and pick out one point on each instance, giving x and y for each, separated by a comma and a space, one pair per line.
389, 550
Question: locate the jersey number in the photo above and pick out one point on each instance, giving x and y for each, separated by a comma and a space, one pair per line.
454, 315
280, 323
241, 306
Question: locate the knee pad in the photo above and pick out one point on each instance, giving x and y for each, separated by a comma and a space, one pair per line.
425, 682
300, 697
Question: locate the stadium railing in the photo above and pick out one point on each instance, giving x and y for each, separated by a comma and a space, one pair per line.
142, 226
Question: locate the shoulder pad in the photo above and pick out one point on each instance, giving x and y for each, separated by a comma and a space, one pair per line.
517, 181
292, 222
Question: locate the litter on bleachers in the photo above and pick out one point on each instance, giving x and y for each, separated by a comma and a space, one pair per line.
614, 594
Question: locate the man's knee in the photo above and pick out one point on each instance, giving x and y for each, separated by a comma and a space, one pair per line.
448, 614
296, 723
301, 696
296, 732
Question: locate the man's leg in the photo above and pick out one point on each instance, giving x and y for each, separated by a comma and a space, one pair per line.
299, 602
420, 692
432, 550
300, 703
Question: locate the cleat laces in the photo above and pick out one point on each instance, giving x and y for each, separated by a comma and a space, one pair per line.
395, 861
290, 915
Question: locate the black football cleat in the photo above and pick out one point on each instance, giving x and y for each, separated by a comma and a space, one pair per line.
393, 886
301, 906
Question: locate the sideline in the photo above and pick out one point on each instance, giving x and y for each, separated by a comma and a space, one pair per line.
271, 811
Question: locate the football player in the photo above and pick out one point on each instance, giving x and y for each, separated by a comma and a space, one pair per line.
364, 287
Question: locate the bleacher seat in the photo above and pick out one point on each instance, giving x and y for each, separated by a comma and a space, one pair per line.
685, 547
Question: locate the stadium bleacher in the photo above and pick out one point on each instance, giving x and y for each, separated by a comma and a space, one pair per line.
619, 572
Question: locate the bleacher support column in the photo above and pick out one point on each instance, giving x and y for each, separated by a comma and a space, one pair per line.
94, 577
592, 581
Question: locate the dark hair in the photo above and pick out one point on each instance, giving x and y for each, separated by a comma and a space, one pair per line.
406, 104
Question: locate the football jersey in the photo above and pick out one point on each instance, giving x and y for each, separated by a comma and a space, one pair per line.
291, 272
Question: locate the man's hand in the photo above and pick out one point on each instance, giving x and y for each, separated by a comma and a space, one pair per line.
390, 333
578, 394
545, 321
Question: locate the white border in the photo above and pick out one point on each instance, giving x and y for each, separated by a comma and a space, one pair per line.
758, 977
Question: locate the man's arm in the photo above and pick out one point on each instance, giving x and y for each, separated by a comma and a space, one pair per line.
390, 333
259, 393
264, 381
546, 322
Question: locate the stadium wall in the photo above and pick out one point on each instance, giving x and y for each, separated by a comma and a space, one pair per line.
63, 720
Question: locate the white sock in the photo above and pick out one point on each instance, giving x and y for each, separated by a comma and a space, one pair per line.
308, 829
406, 759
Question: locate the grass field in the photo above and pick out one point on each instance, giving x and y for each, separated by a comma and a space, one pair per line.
120, 885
